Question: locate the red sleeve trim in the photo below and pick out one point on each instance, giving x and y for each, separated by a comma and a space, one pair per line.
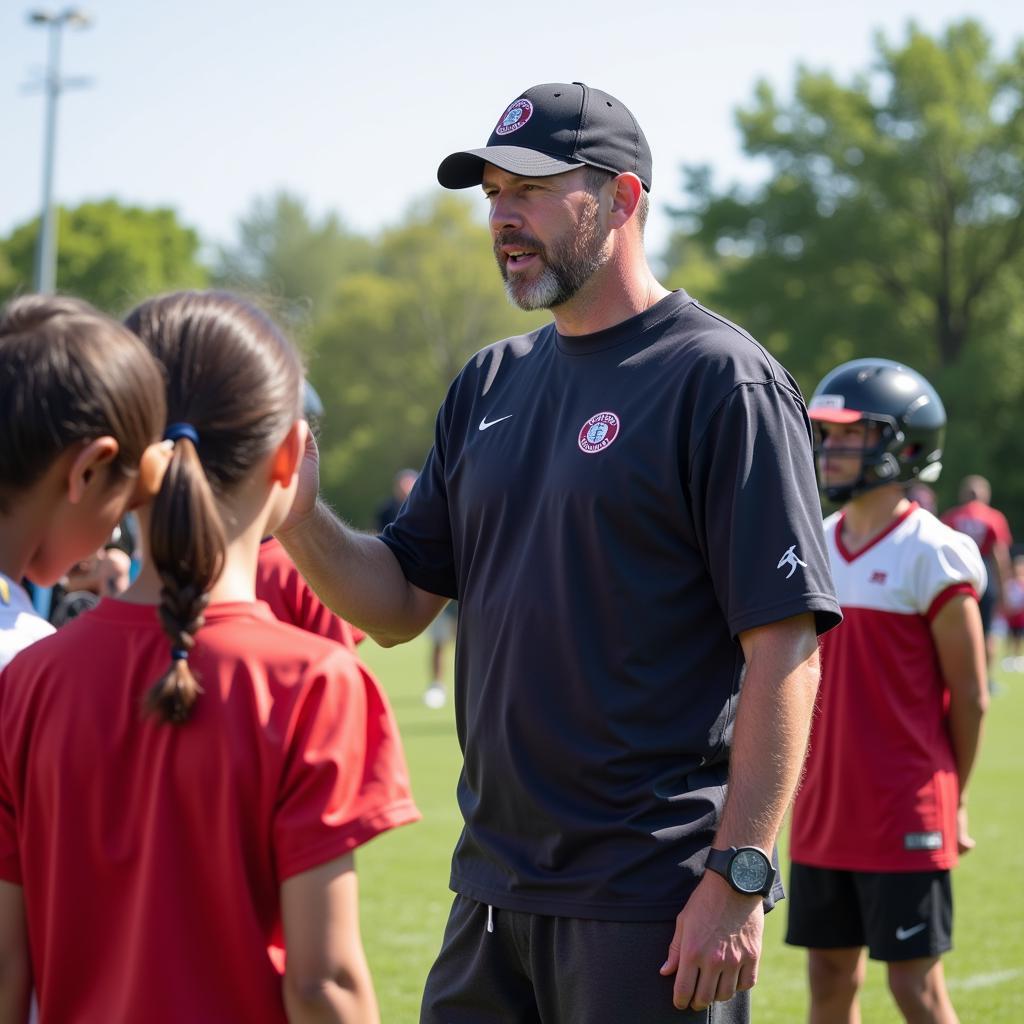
344, 840
947, 595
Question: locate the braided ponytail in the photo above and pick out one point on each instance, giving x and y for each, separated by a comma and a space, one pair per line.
187, 547
234, 388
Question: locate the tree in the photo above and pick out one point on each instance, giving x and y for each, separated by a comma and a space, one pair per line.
392, 340
891, 224
289, 261
110, 254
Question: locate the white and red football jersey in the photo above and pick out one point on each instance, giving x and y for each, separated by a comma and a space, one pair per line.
881, 791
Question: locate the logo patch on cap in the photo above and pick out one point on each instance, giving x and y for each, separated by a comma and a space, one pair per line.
598, 432
828, 402
515, 116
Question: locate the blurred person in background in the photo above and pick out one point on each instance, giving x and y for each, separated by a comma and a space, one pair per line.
988, 528
1014, 607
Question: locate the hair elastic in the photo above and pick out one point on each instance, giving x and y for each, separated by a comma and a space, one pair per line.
179, 654
176, 431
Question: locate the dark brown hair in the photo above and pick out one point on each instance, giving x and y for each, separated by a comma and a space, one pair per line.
235, 379
597, 177
69, 374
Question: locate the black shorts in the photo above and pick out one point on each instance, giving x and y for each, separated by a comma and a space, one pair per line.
898, 915
987, 601
534, 968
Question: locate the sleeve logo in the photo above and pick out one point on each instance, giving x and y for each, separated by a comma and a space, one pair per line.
790, 558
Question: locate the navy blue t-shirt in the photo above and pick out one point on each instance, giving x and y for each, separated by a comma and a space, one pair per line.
611, 511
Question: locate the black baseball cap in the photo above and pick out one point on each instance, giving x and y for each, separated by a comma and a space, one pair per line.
555, 128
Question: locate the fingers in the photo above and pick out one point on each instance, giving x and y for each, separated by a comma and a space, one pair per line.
670, 965
684, 991
747, 977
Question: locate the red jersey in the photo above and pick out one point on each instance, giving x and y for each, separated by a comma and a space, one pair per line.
982, 523
880, 791
152, 856
292, 599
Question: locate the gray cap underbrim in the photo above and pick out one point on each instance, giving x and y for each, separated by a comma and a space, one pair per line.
463, 170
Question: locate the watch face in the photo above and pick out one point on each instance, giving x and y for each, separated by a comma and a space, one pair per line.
749, 871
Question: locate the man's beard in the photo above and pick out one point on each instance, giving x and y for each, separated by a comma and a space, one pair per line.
568, 264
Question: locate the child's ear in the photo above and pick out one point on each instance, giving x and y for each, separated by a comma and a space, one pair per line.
99, 452
152, 467
285, 462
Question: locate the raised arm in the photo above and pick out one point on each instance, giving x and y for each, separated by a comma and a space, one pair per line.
717, 943
355, 574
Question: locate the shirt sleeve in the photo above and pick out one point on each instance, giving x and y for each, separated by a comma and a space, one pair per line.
757, 512
951, 562
345, 778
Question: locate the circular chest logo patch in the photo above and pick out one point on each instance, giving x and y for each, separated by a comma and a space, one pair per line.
514, 117
598, 432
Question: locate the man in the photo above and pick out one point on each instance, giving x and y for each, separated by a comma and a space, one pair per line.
988, 528
401, 485
881, 815
623, 502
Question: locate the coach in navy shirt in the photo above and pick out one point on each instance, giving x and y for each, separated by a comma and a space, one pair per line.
624, 504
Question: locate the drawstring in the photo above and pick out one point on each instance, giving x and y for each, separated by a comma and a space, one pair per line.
490, 918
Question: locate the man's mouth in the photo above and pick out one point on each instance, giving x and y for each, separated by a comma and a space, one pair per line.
517, 257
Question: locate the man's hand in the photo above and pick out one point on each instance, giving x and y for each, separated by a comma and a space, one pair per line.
308, 489
717, 945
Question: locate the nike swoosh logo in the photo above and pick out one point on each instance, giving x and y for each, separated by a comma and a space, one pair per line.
484, 425
902, 934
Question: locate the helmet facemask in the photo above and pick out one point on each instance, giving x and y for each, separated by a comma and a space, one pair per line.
879, 461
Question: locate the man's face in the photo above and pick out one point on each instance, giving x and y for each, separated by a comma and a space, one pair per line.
841, 451
547, 232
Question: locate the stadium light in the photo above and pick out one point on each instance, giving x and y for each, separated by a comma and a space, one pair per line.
46, 245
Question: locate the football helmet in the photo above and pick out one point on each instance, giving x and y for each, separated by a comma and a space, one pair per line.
906, 407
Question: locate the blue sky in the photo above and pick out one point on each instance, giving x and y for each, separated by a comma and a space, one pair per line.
205, 105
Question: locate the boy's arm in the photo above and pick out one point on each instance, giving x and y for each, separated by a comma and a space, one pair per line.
960, 643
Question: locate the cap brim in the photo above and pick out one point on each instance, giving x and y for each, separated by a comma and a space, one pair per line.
826, 415
463, 170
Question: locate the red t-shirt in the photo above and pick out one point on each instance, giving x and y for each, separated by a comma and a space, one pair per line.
292, 599
880, 791
151, 856
982, 523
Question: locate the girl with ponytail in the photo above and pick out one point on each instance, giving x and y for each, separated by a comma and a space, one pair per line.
188, 804
81, 410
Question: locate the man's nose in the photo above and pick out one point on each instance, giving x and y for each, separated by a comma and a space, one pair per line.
504, 214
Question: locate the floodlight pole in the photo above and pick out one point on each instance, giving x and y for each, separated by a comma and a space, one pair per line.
46, 245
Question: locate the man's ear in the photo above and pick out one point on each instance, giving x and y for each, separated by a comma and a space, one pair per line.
624, 199
85, 466
285, 462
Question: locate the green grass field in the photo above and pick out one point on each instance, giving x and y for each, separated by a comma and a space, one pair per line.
405, 896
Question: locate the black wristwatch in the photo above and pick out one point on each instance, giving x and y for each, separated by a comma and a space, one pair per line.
746, 868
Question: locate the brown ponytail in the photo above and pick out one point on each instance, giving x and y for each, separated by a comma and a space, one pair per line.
187, 547
234, 387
